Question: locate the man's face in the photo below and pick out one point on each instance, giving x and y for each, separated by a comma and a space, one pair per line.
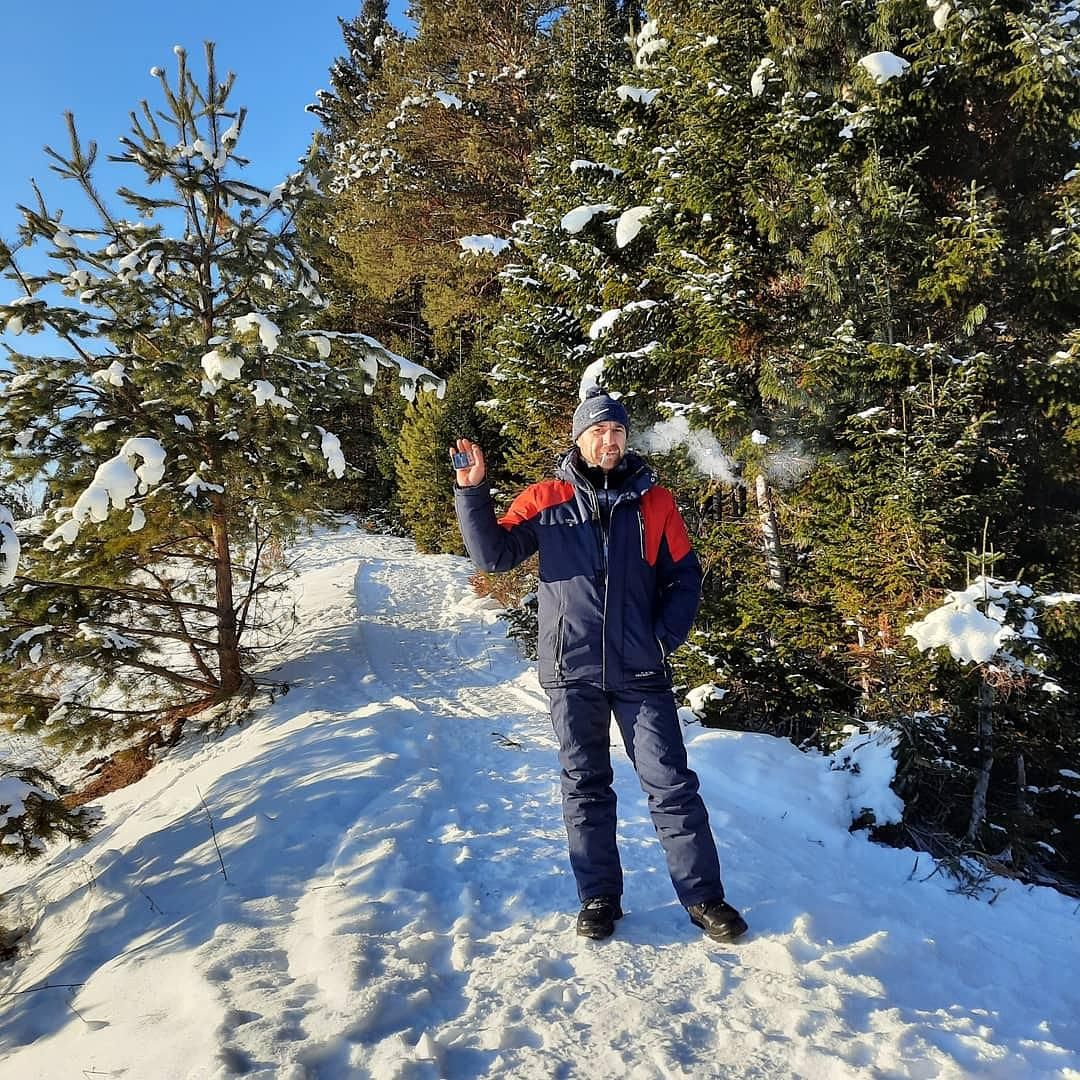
603, 445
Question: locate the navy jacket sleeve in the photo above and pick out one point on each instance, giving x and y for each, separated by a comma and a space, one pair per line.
491, 546
680, 594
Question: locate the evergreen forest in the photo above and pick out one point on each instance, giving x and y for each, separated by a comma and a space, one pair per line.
828, 253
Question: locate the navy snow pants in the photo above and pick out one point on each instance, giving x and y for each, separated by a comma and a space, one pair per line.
649, 724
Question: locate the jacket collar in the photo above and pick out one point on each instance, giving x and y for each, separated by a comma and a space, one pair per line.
633, 475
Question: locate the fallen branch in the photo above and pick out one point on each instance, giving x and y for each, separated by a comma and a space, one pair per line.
44, 986
213, 833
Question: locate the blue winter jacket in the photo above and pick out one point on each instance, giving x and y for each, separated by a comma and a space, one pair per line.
614, 598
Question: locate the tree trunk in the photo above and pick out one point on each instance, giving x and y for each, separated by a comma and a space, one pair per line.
864, 675
986, 748
770, 534
230, 674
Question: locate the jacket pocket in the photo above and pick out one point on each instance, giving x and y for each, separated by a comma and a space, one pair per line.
560, 633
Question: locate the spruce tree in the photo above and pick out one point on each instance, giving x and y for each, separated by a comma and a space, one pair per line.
923, 196
552, 288
180, 423
424, 472
904, 343
32, 812
353, 76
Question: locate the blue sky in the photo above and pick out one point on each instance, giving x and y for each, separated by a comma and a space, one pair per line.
95, 58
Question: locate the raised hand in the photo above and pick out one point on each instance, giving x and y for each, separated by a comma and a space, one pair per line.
474, 473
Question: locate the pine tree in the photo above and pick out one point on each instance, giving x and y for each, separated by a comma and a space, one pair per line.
438, 153
178, 425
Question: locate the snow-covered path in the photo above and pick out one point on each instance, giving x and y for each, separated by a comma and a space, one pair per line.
398, 904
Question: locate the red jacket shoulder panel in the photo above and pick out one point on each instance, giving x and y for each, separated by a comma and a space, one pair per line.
663, 521
535, 499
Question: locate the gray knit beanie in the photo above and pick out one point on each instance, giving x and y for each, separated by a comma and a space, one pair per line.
597, 408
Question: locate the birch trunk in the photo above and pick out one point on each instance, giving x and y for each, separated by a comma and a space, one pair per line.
770, 535
986, 747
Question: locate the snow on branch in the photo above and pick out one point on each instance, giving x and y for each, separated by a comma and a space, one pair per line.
485, 244
115, 481
989, 621
331, 450
580, 216
629, 224
883, 66
268, 330
607, 320
641, 94
761, 74
10, 547
372, 354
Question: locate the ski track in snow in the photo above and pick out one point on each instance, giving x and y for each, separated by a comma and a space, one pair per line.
398, 903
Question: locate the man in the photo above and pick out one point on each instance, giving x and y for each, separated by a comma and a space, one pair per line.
619, 589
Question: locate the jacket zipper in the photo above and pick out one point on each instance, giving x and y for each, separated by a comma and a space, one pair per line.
595, 500
603, 619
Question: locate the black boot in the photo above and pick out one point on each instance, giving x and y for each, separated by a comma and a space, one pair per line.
718, 919
597, 917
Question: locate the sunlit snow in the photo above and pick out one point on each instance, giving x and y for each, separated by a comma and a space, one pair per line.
761, 74
968, 622
115, 481
268, 330
641, 94
10, 547
484, 244
393, 897
883, 66
221, 366
580, 216
629, 224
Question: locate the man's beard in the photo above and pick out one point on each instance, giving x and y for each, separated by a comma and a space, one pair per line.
609, 460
